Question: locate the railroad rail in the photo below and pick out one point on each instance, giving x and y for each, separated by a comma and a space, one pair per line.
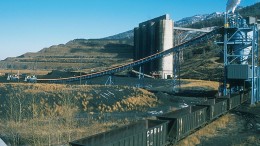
161, 54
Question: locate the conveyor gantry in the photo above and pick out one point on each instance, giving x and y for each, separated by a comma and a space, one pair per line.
139, 62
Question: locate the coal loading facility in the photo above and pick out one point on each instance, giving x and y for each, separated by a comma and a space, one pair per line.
151, 37
153, 55
240, 50
163, 83
240, 83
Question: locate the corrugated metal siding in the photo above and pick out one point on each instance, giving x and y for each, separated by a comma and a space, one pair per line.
139, 134
245, 96
156, 136
219, 108
234, 101
182, 124
200, 117
136, 43
238, 72
215, 107
191, 121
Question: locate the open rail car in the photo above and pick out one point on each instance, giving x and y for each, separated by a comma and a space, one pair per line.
169, 128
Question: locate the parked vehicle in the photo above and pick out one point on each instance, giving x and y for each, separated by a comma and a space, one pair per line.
31, 79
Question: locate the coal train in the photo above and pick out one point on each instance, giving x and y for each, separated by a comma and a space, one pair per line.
168, 128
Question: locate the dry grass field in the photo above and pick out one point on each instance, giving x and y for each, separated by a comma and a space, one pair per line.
37, 72
49, 114
213, 85
54, 114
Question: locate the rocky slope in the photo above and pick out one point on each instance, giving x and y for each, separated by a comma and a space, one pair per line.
77, 54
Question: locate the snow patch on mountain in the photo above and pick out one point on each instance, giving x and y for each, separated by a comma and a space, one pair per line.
197, 18
181, 23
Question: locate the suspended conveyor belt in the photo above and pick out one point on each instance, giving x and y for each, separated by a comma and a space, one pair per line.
196, 40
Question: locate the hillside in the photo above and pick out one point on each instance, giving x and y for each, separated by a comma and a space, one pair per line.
125, 35
205, 60
77, 54
253, 10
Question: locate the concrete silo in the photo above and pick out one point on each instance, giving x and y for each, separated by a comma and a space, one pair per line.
165, 43
154, 36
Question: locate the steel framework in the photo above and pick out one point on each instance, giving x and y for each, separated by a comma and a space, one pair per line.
139, 62
241, 48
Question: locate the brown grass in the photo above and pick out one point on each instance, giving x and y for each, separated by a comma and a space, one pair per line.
208, 131
37, 72
43, 114
201, 83
52, 131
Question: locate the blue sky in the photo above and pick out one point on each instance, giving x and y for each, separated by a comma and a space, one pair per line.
30, 25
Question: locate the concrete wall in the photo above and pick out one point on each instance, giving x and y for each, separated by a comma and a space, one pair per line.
153, 36
136, 43
166, 40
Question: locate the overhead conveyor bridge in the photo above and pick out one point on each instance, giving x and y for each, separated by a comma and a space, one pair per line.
139, 62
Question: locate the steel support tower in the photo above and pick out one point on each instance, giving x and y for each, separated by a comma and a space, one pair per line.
176, 72
241, 71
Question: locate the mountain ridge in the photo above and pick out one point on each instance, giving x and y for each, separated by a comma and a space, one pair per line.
199, 20
180, 23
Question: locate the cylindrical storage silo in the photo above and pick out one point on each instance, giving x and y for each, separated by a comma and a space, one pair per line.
157, 46
165, 43
151, 44
136, 43
151, 37
144, 50
143, 41
241, 49
245, 52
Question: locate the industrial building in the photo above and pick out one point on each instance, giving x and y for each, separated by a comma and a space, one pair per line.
153, 36
240, 48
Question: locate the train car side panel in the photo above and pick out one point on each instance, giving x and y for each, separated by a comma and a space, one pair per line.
143, 133
245, 96
219, 108
234, 101
182, 123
